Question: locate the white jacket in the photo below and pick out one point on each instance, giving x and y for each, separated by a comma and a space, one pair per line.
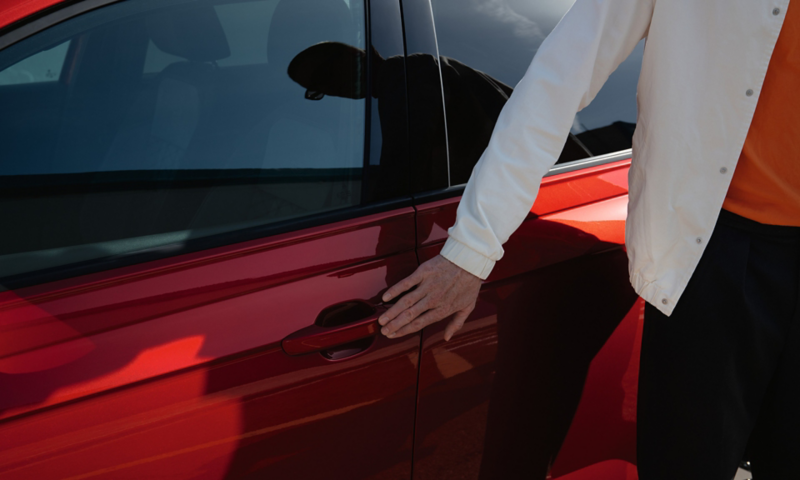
703, 67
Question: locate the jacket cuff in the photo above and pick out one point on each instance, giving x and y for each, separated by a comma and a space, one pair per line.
474, 262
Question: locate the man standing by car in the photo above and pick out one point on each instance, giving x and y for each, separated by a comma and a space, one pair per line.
713, 232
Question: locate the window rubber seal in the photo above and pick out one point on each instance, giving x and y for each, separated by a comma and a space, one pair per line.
46, 18
456, 190
589, 162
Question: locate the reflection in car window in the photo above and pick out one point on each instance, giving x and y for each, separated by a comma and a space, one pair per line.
498, 39
176, 120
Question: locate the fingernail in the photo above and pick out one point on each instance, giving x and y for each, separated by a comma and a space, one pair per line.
392, 335
386, 297
382, 320
385, 331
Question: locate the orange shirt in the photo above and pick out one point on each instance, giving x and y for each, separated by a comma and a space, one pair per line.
766, 184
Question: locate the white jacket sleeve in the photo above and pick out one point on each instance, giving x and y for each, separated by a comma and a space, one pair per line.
572, 63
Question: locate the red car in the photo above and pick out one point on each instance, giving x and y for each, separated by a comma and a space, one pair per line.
202, 202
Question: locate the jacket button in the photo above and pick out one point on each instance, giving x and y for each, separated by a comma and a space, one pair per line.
698, 240
749, 92
664, 301
723, 170
776, 11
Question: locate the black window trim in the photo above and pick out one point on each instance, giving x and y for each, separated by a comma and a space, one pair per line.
14, 282
55, 14
46, 18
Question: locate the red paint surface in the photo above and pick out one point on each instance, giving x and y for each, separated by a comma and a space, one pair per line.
560, 287
74, 308
604, 426
13, 10
572, 189
174, 368
559, 192
609, 469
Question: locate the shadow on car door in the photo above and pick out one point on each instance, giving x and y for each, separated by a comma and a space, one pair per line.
500, 396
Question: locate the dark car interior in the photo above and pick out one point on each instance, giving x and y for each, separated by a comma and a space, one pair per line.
120, 153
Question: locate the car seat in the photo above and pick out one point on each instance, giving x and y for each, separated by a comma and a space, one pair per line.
163, 125
163, 122
296, 136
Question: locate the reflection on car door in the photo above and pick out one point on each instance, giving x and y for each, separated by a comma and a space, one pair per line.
522, 357
174, 369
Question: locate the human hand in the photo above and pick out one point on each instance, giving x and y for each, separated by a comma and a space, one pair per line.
443, 289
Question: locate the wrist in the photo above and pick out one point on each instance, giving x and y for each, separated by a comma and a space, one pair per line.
467, 259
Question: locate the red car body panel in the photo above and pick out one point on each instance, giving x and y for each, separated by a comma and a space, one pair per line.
13, 10
176, 366
578, 221
604, 426
193, 367
557, 192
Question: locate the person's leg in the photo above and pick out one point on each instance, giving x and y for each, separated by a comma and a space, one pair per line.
775, 443
705, 369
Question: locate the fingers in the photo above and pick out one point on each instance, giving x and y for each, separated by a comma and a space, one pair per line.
404, 317
401, 306
429, 317
456, 323
441, 289
403, 285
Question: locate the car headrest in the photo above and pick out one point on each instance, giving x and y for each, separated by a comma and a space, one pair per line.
191, 33
298, 24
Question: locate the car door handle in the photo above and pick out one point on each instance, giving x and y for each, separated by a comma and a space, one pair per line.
337, 325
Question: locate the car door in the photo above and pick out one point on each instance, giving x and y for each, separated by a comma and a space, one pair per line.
192, 266
556, 326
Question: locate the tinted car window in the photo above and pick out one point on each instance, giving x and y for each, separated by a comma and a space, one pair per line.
171, 121
44, 66
486, 47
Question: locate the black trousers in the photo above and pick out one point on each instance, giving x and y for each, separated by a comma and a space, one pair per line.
720, 377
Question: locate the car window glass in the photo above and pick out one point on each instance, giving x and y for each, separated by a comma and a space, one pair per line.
243, 23
486, 46
44, 66
157, 59
176, 120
